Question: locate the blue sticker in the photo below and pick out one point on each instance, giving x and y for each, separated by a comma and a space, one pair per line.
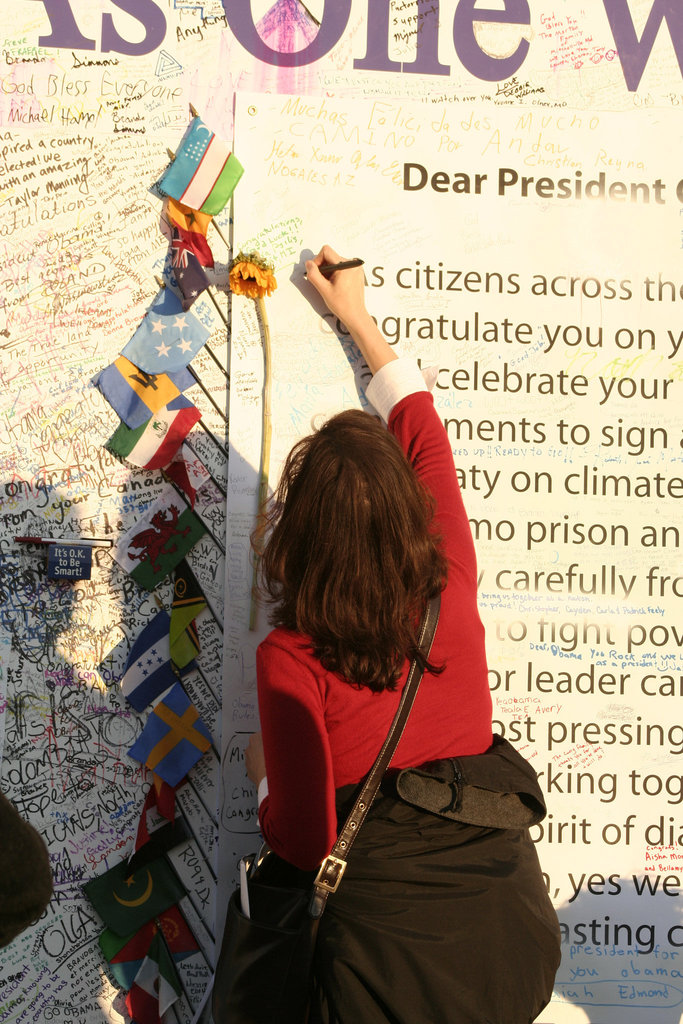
69, 562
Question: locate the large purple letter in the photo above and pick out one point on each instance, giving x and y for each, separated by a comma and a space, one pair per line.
335, 16
634, 54
377, 57
144, 11
490, 69
65, 31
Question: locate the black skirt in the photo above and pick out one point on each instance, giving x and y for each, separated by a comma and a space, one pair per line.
435, 923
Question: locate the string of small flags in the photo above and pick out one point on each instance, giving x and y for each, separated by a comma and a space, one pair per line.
146, 934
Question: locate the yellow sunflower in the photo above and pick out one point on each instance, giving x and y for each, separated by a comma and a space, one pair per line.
252, 275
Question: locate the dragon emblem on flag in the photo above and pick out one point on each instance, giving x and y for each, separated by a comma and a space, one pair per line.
154, 541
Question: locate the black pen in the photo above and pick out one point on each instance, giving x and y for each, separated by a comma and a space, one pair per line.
329, 268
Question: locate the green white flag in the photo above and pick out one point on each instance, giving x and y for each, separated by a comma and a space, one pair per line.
151, 549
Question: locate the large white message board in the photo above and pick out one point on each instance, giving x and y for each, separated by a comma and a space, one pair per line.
533, 258
91, 99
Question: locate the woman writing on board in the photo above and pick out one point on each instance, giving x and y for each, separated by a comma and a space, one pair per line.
434, 920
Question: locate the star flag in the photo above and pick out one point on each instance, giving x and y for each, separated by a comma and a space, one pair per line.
188, 268
155, 443
204, 173
188, 219
156, 986
126, 953
188, 472
135, 394
152, 548
167, 339
149, 671
188, 602
173, 739
125, 901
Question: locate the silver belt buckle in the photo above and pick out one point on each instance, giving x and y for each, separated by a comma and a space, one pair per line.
330, 873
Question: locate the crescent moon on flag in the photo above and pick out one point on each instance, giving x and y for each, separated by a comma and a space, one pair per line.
141, 899
203, 128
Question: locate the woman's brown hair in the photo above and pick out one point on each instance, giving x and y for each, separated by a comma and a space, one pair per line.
351, 558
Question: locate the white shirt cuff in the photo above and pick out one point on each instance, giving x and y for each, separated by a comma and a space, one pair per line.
394, 381
262, 790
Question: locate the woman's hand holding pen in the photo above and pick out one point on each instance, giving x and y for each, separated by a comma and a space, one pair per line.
344, 295
343, 291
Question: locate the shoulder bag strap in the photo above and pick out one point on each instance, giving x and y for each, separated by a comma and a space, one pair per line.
332, 868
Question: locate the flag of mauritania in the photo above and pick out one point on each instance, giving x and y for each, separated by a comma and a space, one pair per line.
155, 443
135, 394
152, 548
156, 986
125, 901
204, 173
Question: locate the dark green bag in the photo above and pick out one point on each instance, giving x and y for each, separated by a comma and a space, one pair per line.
496, 789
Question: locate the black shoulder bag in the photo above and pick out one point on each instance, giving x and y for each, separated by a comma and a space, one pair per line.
265, 968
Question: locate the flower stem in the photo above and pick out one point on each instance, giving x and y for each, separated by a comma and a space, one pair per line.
266, 434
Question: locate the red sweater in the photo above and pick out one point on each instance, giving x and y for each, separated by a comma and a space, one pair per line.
319, 733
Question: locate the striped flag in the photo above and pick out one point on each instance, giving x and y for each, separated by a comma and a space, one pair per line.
156, 986
189, 220
204, 173
188, 602
160, 797
155, 443
135, 394
126, 953
148, 670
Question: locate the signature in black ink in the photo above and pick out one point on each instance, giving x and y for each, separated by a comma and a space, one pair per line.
517, 90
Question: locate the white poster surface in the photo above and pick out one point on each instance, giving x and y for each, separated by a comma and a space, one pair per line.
533, 259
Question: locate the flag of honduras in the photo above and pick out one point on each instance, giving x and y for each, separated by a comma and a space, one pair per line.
148, 671
204, 173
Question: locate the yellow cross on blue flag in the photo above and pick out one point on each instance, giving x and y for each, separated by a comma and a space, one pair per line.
173, 739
